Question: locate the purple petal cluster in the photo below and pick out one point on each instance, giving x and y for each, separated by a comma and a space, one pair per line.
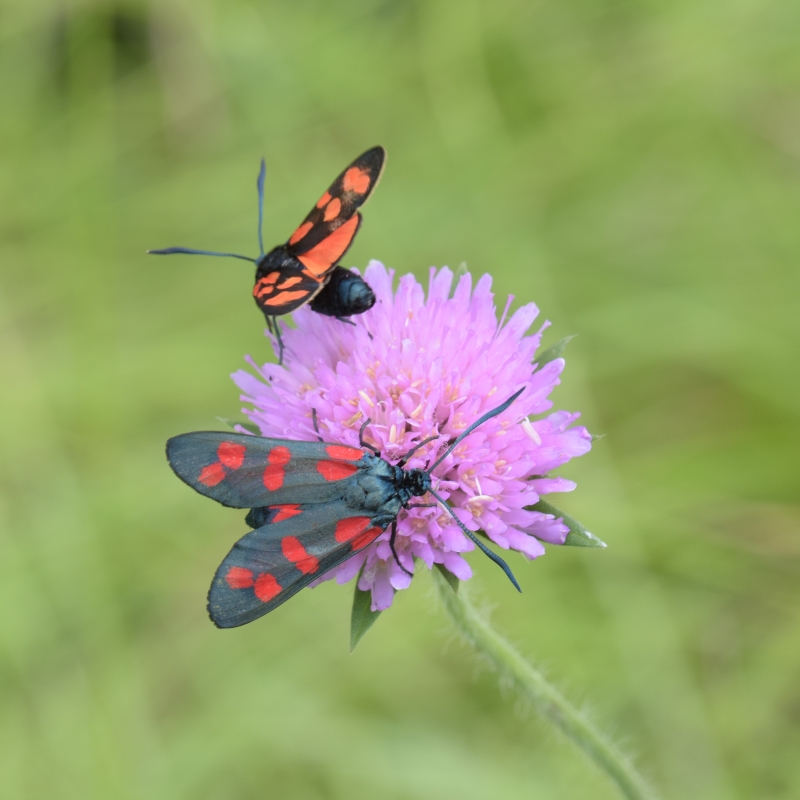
418, 367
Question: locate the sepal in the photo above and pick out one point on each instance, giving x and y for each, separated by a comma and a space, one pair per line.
578, 536
362, 617
553, 352
233, 424
449, 577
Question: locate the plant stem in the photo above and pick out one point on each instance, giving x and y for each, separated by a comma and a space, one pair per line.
530, 683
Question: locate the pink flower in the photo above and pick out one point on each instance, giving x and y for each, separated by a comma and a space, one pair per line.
420, 367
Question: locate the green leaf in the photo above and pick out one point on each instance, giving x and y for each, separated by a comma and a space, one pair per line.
362, 617
553, 352
578, 536
248, 426
449, 577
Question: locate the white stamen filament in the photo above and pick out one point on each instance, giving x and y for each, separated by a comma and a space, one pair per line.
531, 431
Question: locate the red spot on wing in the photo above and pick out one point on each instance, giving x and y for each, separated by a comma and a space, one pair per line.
212, 474
273, 477
286, 511
231, 454
265, 285
324, 200
335, 471
289, 282
286, 297
301, 232
369, 536
343, 452
298, 555
350, 528
239, 578
279, 455
322, 257
356, 180
266, 587
333, 209
274, 472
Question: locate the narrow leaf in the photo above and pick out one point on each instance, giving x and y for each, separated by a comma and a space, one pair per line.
578, 536
553, 352
248, 426
449, 577
362, 617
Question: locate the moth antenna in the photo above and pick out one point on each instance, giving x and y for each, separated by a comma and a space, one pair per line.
404, 460
497, 560
485, 418
262, 173
392, 538
168, 251
361, 441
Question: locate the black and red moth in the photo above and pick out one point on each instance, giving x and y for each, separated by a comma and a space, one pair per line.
304, 270
312, 506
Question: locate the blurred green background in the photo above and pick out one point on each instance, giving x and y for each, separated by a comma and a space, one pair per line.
632, 167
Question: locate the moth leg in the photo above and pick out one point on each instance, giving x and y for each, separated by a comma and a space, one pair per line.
362, 443
345, 319
280, 341
392, 537
421, 505
316, 424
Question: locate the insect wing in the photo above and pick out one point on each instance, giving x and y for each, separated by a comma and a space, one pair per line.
270, 564
250, 471
283, 290
338, 205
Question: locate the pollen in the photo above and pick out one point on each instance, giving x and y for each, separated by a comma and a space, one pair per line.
350, 423
367, 399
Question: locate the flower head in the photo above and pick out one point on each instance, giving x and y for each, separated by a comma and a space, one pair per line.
417, 368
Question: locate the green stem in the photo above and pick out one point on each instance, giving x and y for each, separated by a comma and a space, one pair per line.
530, 683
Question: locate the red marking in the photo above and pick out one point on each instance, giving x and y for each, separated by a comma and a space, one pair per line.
266, 587
322, 257
212, 474
333, 209
286, 511
289, 282
231, 454
356, 180
335, 471
301, 232
273, 477
350, 528
298, 555
286, 297
239, 578
346, 453
265, 285
362, 540
279, 455
324, 200
274, 473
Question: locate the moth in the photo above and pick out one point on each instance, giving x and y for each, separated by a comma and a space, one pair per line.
305, 269
312, 506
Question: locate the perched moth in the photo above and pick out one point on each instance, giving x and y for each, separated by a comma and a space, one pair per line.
305, 269
312, 506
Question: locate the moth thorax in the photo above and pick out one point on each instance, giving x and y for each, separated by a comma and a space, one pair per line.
417, 482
